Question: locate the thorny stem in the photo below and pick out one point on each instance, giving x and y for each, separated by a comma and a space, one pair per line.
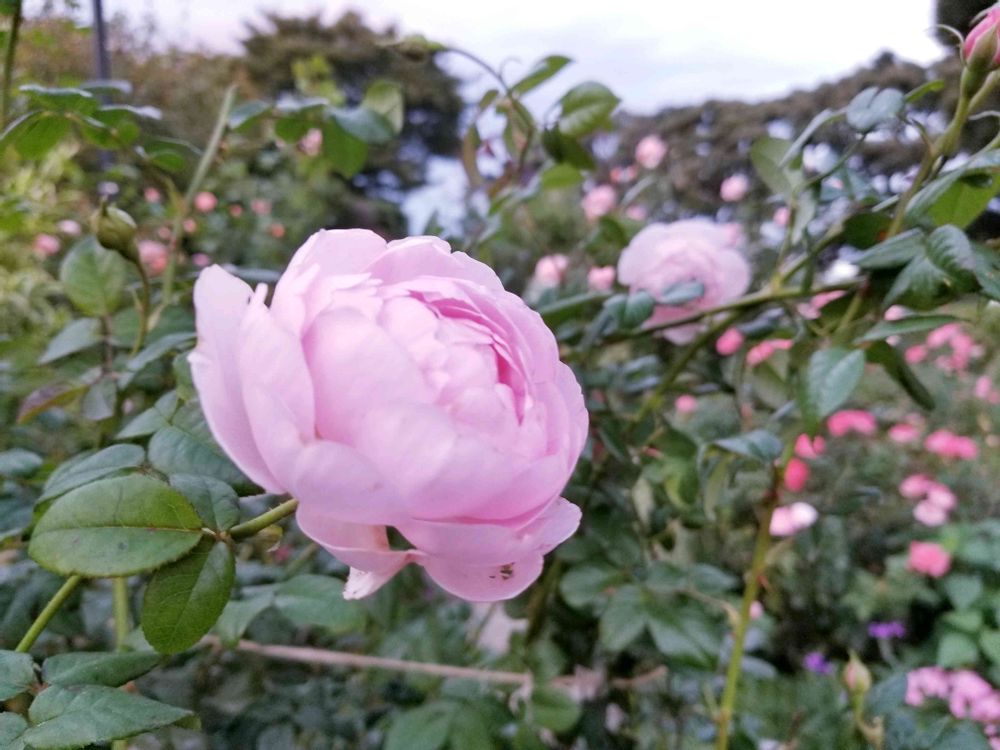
57, 600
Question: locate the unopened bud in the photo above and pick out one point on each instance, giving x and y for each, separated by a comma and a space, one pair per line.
857, 679
115, 230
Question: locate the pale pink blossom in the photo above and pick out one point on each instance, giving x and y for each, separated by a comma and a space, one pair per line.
686, 404
601, 278
649, 152
205, 202
896, 312
929, 558
70, 227
930, 514
152, 195
190, 226
619, 175
260, 206
852, 420
46, 245
598, 201
791, 519
729, 342
154, 256
312, 142
734, 188
947, 444
989, 24
765, 349
796, 475
637, 213
200, 260
756, 610
926, 682
396, 385
904, 433
809, 448
551, 270
662, 256
985, 390
916, 486
915, 354
967, 689
781, 216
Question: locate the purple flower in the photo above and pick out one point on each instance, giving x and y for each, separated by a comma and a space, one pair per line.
814, 661
887, 630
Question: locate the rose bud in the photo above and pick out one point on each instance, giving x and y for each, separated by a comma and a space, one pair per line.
396, 385
857, 679
981, 49
115, 230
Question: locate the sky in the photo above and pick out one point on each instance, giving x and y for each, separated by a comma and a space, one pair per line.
650, 52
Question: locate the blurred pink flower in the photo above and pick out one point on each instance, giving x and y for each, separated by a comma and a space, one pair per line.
781, 216
734, 188
190, 226
600, 278
276, 230
916, 486
924, 683
756, 610
967, 689
153, 255
598, 201
947, 444
763, 351
852, 420
729, 342
649, 152
809, 449
929, 559
551, 270
260, 206
985, 390
693, 250
618, 175
930, 514
686, 404
791, 519
312, 142
236, 210
70, 227
896, 312
904, 432
152, 195
205, 202
916, 353
796, 475
163, 233
46, 245
200, 260
637, 213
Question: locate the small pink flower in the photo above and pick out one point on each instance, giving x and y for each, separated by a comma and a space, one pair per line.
904, 432
781, 216
916, 353
205, 202
930, 514
619, 175
200, 260
791, 519
551, 270
637, 213
985, 390
947, 444
763, 351
70, 227
734, 188
756, 610
163, 233
896, 312
796, 475
852, 420
967, 689
46, 245
649, 152
926, 682
152, 195
729, 342
153, 255
236, 210
312, 142
598, 201
686, 404
942, 497
190, 226
276, 230
929, 559
916, 486
601, 278
260, 206
809, 449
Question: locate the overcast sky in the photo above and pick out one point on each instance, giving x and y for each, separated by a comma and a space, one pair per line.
651, 52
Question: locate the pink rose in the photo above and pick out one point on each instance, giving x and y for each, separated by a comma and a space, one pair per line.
791, 519
810, 449
598, 201
686, 404
601, 278
926, 682
396, 385
852, 420
947, 444
46, 245
551, 270
796, 475
649, 152
734, 188
205, 202
929, 559
153, 255
930, 514
988, 25
693, 250
915, 486
729, 342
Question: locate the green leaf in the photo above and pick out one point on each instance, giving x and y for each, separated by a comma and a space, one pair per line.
423, 728
215, 501
682, 634
956, 650
385, 98
78, 335
989, 642
964, 200
84, 469
585, 108
962, 589
543, 70
770, 157
17, 674
623, 620
760, 446
919, 285
12, 728
115, 527
186, 447
988, 271
93, 278
896, 367
903, 326
318, 600
237, 616
637, 310
364, 124
964, 736
469, 729
247, 114
77, 716
98, 668
874, 107
560, 177
950, 250
554, 709
185, 598
345, 153
19, 463
62, 99
566, 150
589, 583
682, 293
36, 134
830, 379
152, 419
895, 251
